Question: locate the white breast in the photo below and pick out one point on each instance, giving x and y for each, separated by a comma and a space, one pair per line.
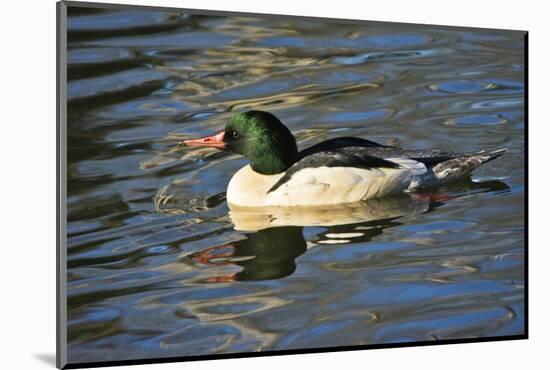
249, 188
320, 185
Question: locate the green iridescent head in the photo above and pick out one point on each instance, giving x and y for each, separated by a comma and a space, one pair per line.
263, 139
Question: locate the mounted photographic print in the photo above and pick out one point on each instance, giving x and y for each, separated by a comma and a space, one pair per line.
234, 185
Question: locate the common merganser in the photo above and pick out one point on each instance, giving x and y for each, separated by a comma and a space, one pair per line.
336, 171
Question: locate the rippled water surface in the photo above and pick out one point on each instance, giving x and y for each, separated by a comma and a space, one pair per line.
157, 266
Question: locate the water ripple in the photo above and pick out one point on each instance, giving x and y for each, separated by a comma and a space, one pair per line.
157, 266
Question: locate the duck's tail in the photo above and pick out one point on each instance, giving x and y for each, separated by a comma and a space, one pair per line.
461, 166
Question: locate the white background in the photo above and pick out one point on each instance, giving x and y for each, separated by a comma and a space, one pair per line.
27, 164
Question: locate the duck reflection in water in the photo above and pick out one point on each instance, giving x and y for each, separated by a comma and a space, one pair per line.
274, 237
266, 254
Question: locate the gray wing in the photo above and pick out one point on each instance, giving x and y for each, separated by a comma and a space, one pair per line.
344, 157
430, 158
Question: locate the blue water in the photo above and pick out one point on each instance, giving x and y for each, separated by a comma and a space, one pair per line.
158, 266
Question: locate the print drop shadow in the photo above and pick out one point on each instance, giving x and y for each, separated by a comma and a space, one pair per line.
271, 253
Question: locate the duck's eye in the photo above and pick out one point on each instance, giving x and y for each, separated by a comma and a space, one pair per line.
235, 135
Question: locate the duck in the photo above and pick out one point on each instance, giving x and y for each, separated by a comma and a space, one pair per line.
336, 171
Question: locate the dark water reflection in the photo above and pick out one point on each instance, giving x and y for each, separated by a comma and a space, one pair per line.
266, 254
158, 266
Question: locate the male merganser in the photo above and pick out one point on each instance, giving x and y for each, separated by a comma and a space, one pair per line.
340, 170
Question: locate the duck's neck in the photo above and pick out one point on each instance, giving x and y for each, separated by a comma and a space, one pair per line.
274, 161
